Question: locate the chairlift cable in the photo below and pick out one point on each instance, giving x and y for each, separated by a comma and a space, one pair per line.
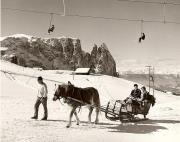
164, 12
64, 8
51, 18
93, 17
149, 2
142, 26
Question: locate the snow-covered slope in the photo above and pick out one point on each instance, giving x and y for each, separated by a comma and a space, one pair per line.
17, 100
108, 86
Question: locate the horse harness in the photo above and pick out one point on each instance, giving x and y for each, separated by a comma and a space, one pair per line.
70, 99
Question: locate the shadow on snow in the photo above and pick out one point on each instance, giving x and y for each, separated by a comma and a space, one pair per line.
81, 122
143, 127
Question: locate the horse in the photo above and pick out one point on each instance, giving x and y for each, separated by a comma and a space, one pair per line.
77, 97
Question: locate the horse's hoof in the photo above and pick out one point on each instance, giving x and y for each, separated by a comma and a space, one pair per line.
96, 122
68, 126
77, 122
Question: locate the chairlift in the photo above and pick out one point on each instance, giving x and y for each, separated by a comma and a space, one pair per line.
142, 37
51, 29
51, 26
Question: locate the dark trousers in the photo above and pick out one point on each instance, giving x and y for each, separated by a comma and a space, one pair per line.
36, 106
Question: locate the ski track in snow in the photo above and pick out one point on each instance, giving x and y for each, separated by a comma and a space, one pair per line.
18, 97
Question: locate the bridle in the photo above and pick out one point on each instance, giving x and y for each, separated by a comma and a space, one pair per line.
69, 96
59, 98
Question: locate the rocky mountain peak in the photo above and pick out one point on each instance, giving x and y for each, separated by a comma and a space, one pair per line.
57, 53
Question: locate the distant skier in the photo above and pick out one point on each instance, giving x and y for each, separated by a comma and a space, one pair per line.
51, 29
41, 98
142, 37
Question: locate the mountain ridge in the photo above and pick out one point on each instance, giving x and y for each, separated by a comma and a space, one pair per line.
57, 53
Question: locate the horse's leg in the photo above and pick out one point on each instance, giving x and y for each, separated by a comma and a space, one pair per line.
90, 112
77, 118
70, 116
97, 104
97, 115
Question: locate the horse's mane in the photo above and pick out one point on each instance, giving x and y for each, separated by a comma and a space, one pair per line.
64, 84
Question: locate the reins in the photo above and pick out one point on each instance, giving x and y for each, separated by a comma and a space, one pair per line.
81, 102
60, 101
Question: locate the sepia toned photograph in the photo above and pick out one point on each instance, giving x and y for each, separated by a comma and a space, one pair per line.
90, 71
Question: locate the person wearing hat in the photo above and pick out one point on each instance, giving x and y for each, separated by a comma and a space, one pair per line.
145, 94
134, 98
41, 99
136, 92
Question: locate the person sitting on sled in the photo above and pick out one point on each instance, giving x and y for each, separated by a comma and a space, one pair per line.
136, 92
135, 97
146, 96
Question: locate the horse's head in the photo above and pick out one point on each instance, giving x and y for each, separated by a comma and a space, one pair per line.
63, 91
69, 88
60, 91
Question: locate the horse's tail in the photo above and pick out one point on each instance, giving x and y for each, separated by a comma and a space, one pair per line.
96, 99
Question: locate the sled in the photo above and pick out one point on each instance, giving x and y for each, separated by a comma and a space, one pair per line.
124, 112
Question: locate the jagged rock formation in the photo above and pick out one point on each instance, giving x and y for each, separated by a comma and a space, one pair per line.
57, 53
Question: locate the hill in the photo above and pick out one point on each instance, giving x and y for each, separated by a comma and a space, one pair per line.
17, 100
163, 82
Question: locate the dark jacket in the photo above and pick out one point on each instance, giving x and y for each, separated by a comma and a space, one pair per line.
146, 96
136, 93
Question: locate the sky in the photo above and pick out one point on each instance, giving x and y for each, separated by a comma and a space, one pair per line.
162, 41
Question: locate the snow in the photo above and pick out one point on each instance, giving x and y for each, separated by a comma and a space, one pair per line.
30, 36
3, 48
17, 36
18, 98
21, 35
82, 70
67, 37
34, 38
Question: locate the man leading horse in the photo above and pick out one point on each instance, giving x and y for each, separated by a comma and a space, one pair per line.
41, 99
